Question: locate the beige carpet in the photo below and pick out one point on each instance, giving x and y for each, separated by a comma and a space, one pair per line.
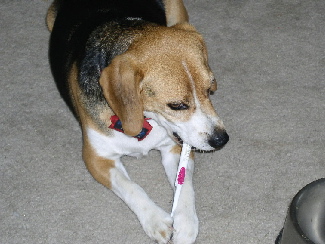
269, 58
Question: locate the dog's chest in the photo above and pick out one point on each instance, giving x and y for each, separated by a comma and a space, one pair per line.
119, 144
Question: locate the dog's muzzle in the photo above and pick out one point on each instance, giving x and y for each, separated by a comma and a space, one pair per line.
218, 139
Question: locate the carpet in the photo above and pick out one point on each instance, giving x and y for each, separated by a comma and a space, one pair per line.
269, 60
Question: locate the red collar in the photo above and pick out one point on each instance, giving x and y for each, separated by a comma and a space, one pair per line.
117, 125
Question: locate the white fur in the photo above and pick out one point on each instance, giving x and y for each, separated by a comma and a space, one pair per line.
111, 147
195, 131
153, 219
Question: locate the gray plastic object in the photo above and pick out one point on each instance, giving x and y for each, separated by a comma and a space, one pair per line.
305, 222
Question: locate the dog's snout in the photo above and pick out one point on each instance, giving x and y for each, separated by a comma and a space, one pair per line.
218, 139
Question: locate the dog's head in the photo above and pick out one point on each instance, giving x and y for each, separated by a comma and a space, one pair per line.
165, 75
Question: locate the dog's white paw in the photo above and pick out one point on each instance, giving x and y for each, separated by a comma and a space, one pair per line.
186, 228
158, 225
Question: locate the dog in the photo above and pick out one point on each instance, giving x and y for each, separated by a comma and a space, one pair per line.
135, 74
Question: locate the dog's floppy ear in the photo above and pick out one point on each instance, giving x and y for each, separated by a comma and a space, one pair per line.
175, 12
120, 82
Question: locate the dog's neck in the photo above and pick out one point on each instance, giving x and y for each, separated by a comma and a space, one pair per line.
117, 125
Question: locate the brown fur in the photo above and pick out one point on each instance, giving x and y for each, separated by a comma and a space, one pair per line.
140, 62
178, 149
51, 15
175, 12
120, 82
99, 167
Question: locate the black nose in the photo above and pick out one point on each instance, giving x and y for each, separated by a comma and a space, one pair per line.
218, 139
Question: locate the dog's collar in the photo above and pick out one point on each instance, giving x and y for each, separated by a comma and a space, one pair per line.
117, 125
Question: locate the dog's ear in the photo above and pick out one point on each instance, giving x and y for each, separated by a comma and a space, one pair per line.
120, 82
176, 12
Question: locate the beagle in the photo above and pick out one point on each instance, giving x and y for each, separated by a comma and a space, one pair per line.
135, 74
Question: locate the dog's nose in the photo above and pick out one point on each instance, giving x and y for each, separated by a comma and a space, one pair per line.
218, 139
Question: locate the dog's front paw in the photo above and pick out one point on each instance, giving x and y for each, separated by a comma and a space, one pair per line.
158, 225
186, 228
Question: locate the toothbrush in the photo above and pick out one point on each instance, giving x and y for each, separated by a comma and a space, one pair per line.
181, 173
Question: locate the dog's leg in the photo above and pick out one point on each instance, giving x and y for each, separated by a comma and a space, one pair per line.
111, 173
155, 221
185, 218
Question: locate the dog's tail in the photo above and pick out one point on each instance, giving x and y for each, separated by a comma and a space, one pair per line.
176, 12
51, 14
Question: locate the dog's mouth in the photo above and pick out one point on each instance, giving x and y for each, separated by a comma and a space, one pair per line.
180, 141
177, 138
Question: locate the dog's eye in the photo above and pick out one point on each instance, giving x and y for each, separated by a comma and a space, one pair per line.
178, 106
